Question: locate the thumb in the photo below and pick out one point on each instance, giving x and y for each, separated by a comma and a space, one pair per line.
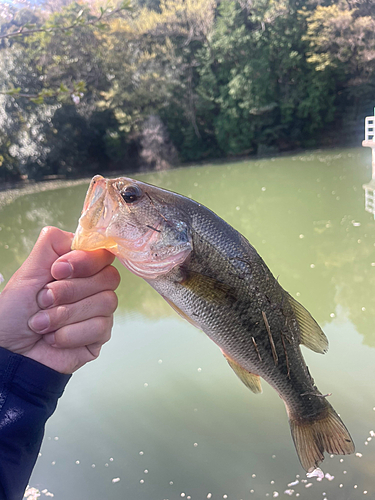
51, 244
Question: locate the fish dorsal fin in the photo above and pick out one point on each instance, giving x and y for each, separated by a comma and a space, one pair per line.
251, 380
311, 335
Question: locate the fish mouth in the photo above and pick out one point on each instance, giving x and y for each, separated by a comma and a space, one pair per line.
98, 210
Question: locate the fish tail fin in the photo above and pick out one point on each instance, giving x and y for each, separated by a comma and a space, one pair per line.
314, 437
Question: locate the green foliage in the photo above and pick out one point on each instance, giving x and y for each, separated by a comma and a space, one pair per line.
226, 78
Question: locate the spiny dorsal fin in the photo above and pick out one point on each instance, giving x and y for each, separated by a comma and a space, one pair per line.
251, 380
311, 335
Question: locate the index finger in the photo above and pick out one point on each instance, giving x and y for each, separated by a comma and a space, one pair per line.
81, 264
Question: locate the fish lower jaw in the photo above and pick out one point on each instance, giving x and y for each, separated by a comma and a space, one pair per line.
153, 269
92, 240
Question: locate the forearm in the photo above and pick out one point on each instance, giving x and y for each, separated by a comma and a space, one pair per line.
29, 392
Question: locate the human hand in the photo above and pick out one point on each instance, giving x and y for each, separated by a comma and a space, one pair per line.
71, 291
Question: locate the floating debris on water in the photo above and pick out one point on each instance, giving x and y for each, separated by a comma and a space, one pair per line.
293, 483
316, 473
329, 477
289, 492
115, 480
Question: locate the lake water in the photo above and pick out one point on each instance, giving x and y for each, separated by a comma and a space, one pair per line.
160, 415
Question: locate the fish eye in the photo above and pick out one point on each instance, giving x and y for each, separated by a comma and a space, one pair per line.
131, 194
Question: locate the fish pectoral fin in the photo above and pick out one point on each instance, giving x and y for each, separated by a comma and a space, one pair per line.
251, 380
311, 335
208, 288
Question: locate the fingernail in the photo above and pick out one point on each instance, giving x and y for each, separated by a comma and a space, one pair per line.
62, 270
39, 322
49, 338
46, 298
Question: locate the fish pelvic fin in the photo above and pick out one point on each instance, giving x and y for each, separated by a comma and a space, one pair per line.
314, 437
311, 335
251, 380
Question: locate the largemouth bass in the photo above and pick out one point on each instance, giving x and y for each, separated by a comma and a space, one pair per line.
211, 275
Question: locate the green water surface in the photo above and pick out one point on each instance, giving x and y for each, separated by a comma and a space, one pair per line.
160, 415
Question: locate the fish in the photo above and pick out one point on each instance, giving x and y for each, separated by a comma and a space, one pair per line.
213, 277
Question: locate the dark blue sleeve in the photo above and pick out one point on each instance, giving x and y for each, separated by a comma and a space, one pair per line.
28, 396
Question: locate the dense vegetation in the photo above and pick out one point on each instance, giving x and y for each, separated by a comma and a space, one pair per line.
88, 87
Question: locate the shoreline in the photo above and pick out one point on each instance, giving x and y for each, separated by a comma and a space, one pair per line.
11, 191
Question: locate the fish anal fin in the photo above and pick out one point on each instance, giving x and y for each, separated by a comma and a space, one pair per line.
314, 437
311, 335
181, 313
251, 380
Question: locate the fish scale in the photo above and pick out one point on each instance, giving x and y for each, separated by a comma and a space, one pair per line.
213, 277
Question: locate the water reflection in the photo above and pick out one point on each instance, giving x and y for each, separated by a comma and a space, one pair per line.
304, 214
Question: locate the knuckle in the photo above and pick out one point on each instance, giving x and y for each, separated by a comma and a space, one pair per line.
110, 301
63, 314
47, 231
63, 291
94, 350
107, 329
114, 276
62, 337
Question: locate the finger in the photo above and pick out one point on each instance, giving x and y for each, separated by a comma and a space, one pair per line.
80, 264
50, 320
51, 244
73, 290
93, 332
